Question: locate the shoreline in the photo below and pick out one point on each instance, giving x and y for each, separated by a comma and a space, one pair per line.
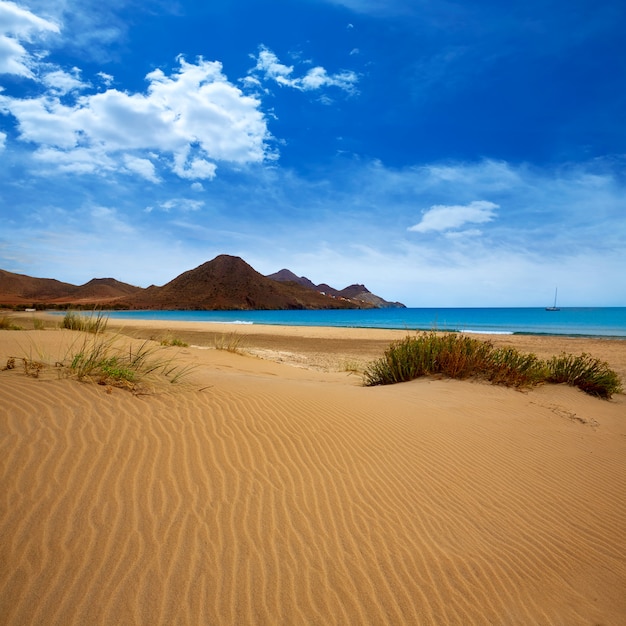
461, 325
333, 348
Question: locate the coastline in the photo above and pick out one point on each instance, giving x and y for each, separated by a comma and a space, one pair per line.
570, 321
272, 487
333, 347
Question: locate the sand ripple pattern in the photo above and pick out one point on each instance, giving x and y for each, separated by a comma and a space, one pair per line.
260, 502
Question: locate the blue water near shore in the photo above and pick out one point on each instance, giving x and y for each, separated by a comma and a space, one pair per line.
601, 322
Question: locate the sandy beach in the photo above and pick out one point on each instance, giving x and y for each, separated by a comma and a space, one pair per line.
271, 487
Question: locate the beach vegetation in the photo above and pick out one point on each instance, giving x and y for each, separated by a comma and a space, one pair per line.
103, 360
586, 372
106, 360
174, 341
6, 323
38, 324
95, 323
457, 356
231, 342
352, 367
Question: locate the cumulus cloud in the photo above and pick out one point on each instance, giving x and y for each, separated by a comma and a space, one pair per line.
194, 115
3, 139
18, 26
270, 68
441, 217
144, 167
60, 82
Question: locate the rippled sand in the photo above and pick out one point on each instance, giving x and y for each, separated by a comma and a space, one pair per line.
262, 493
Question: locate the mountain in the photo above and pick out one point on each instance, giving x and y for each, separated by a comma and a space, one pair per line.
285, 276
229, 283
225, 283
19, 289
355, 293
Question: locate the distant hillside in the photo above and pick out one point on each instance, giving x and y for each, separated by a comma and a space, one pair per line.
225, 283
19, 289
229, 283
356, 293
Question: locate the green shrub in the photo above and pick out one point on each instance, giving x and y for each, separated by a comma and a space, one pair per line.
458, 356
452, 355
508, 366
585, 372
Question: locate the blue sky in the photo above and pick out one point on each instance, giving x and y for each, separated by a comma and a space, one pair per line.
443, 153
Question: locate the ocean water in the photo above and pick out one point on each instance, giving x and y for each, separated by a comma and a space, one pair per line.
600, 322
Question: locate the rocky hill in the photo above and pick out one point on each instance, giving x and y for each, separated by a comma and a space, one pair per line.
19, 289
225, 283
229, 283
357, 293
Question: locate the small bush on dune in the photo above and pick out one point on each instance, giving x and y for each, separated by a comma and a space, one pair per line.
593, 376
508, 366
458, 356
429, 354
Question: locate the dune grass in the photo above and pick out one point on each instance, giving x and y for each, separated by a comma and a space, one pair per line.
106, 361
174, 341
6, 323
95, 323
231, 342
461, 357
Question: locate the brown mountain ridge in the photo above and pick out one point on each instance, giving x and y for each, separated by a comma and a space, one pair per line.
225, 283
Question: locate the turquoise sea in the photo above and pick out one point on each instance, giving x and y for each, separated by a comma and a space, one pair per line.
600, 322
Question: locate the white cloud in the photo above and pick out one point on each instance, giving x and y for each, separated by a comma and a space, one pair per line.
3, 139
143, 167
442, 217
193, 114
270, 68
182, 204
19, 25
107, 79
60, 82
77, 161
193, 168
89, 26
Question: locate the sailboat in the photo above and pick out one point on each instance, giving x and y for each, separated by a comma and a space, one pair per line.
554, 307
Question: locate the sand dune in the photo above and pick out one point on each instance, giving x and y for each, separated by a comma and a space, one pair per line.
259, 493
